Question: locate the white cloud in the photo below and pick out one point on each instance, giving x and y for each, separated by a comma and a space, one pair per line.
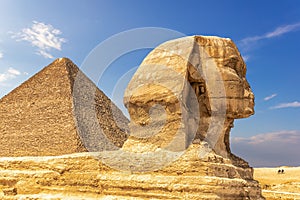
269, 149
44, 53
9, 74
294, 104
282, 30
279, 136
3, 77
43, 36
13, 71
277, 32
1, 55
246, 58
270, 97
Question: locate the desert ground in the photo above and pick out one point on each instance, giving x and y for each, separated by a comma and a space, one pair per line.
279, 185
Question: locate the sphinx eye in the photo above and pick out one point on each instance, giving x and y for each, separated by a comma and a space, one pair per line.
231, 62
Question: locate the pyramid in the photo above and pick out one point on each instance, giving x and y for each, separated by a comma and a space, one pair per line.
38, 117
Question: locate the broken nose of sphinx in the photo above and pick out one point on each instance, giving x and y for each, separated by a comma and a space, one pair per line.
248, 101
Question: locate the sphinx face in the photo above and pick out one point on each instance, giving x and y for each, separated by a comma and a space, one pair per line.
226, 56
239, 97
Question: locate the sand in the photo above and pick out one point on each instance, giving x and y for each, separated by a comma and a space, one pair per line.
279, 185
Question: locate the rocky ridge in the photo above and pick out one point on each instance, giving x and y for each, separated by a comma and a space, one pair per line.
82, 176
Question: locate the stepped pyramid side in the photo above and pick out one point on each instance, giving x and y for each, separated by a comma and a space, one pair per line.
37, 118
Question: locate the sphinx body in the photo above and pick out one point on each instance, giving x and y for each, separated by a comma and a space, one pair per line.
184, 98
182, 102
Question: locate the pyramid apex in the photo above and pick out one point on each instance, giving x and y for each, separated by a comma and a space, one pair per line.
63, 59
60, 63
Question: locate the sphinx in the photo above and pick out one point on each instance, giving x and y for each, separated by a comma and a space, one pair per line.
187, 91
182, 102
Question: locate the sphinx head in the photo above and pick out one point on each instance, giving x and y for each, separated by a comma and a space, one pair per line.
178, 74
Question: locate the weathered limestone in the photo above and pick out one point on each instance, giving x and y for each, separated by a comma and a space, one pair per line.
182, 102
81, 176
198, 81
184, 98
37, 118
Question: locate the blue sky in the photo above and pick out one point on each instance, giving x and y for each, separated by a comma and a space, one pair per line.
266, 32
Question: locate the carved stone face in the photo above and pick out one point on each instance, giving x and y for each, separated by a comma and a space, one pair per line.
240, 99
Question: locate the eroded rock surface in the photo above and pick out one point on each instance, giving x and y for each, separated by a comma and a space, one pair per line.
188, 90
81, 176
182, 102
184, 98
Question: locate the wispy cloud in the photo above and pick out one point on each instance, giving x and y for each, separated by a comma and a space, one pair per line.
11, 73
294, 104
42, 36
277, 32
279, 136
269, 149
270, 97
246, 57
282, 30
1, 55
